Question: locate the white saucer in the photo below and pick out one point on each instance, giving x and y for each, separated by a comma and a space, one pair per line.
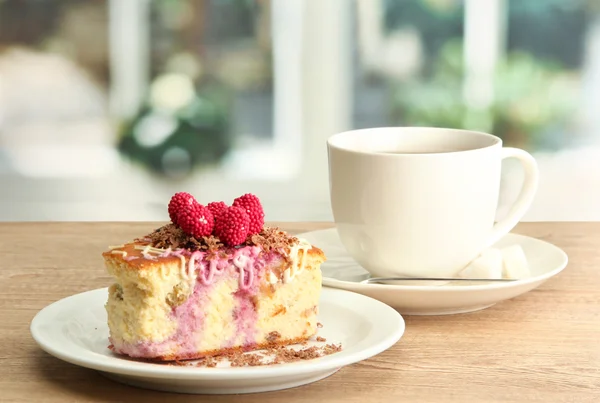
74, 329
342, 272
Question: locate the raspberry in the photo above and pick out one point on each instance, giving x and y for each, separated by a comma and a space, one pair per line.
196, 220
231, 226
251, 205
177, 203
216, 207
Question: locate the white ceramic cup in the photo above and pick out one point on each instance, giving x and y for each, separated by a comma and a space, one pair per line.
421, 202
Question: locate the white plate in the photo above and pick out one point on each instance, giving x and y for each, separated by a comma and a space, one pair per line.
342, 272
74, 329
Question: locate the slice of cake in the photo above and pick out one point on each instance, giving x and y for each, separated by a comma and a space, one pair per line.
213, 281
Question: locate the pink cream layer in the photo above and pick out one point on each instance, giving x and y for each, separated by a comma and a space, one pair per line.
248, 265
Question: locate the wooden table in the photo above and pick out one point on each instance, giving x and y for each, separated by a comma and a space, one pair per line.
541, 347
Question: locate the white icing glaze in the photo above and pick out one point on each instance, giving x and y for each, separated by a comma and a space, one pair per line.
148, 256
177, 253
149, 249
166, 253
240, 261
182, 267
243, 260
164, 271
190, 274
119, 252
245, 266
213, 265
297, 267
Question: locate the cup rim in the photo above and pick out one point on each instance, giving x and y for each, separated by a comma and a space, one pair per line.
495, 141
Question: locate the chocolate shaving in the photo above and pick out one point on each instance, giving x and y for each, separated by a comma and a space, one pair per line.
242, 360
209, 362
331, 348
272, 355
272, 239
273, 336
171, 236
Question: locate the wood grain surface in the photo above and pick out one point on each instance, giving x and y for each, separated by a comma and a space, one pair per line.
541, 347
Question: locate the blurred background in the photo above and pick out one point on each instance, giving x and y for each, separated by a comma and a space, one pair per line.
107, 108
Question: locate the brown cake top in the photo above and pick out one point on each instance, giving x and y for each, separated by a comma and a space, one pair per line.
172, 236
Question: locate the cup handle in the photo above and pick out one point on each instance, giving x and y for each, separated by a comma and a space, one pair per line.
523, 202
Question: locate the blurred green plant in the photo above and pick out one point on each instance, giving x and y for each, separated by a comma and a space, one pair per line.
181, 126
531, 98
